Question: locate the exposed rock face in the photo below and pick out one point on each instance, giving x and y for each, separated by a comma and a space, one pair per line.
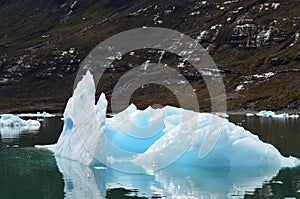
42, 43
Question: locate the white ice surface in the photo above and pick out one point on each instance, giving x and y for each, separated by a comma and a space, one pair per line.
154, 138
272, 114
9, 120
11, 126
37, 114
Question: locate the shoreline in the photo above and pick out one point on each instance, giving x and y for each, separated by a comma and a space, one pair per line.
60, 110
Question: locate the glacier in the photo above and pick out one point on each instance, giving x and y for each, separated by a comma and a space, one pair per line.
144, 141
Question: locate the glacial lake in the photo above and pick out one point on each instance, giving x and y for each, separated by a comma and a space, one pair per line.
27, 172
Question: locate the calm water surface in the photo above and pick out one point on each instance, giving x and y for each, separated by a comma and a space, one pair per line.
26, 172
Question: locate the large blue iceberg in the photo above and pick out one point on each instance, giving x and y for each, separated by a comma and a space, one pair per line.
148, 140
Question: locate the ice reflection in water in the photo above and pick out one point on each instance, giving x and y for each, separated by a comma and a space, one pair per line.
172, 182
8, 132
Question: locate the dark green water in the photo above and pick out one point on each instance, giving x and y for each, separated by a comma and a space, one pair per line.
27, 172
285, 135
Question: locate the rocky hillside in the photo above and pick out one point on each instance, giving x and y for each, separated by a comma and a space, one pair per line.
254, 43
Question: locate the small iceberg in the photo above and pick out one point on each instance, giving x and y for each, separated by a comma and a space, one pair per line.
249, 114
9, 120
37, 114
265, 113
144, 141
11, 126
285, 115
294, 116
224, 115
272, 114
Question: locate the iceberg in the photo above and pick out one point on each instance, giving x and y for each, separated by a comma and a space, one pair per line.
37, 114
294, 116
144, 141
11, 126
265, 113
224, 115
9, 120
249, 114
285, 115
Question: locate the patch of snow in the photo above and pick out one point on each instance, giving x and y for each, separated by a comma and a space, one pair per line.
72, 50
216, 26
181, 82
138, 12
265, 75
3, 80
169, 11
73, 4
181, 65
275, 5
156, 19
200, 4
263, 37
296, 39
239, 87
203, 35
27, 66
119, 56
195, 13
229, 2
70, 12
243, 30
296, 36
